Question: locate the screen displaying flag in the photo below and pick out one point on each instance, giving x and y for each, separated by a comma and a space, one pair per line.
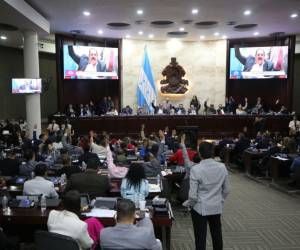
146, 90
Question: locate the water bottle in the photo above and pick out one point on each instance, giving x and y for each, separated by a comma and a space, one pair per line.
43, 204
158, 179
32, 175
63, 179
4, 203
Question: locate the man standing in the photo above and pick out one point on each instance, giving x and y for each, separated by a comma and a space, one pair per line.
209, 186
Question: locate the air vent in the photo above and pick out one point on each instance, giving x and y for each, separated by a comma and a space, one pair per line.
231, 23
187, 21
162, 24
118, 25
245, 27
139, 22
7, 27
206, 24
177, 34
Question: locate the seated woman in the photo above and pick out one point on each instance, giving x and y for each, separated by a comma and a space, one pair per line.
67, 222
240, 110
135, 186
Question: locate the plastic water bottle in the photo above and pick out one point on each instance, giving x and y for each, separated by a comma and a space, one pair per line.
158, 179
4, 203
63, 179
32, 175
43, 204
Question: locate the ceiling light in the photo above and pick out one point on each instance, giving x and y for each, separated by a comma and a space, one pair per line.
216, 34
224, 37
202, 37
256, 33
294, 15
3, 37
141, 32
86, 13
151, 36
140, 12
128, 36
181, 29
195, 11
247, 12
100, 32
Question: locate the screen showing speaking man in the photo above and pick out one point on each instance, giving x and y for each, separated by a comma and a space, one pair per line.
258, 62
86, 62
26, 86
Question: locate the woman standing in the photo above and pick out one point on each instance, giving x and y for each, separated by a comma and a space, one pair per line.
196, 104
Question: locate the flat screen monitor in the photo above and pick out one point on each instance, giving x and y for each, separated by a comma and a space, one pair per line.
86, 62
258, 62
26, 86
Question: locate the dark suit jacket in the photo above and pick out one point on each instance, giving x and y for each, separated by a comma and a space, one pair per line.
83, 61
9, 167
89, 182
249, 61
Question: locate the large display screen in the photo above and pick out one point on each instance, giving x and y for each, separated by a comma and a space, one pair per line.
26, 86
258, 62
85, 62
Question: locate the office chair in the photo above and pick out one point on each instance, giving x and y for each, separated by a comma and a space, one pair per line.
48, 241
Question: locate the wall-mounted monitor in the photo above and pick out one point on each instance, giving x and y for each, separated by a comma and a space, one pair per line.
88, 62
258, 62
26, 86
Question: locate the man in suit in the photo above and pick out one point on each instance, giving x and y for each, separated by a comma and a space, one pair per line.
90, 181
257, 63
209, 186
89, 63
10, 165
126, 234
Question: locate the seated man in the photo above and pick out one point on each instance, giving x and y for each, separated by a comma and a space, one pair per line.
39, 185
89, 182
66, 222
10, 165
25, 169
126, 235
68, 168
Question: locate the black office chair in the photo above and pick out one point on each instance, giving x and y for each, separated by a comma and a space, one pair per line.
48, 241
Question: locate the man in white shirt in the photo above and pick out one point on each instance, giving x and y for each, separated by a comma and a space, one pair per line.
67, 222
209, 186
294, 126
99, 147
39, 185
53, 127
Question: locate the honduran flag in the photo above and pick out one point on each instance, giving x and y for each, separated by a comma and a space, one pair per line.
146, 90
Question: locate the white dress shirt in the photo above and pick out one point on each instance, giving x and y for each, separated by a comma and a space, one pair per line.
40, 185
98, 149
292, 125
53, 127
68, 223
209, 186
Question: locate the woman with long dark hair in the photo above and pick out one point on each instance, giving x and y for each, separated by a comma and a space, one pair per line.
135, 186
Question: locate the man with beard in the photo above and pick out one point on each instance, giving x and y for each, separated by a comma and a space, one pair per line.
257, 63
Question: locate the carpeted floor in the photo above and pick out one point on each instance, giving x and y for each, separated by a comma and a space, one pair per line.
255, 217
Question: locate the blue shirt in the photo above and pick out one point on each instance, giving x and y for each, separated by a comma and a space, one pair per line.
132, 193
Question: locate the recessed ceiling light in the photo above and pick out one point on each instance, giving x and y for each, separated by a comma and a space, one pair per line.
100, 32
140, 12
3, 37
294, 15
202, 37
141, 32
128, 36
181, 29
247, 12
195, 11
216, 34
256, 33
151, 36
86, 13
224, 37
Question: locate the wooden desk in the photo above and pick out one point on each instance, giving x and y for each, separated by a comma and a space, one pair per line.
24, 221
279, 168
249, 156
209, 126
